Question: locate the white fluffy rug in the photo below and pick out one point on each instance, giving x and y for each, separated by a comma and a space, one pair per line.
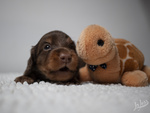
85, 98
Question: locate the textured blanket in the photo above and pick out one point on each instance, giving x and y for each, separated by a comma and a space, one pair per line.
45, 97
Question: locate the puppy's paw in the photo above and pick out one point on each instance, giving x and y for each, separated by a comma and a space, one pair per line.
23, 79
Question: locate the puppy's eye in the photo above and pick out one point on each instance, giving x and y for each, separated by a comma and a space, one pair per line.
47, 47
100, 42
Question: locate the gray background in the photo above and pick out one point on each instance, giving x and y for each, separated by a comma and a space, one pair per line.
23, 23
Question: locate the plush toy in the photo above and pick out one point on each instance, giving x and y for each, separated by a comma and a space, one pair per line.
110, 60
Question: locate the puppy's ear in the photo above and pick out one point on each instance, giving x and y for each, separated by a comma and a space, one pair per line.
32, 59
31, 62
71, 44
29, 74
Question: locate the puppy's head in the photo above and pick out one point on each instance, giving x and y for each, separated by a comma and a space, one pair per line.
55, 57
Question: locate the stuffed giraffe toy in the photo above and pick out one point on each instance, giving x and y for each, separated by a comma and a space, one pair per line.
110, 60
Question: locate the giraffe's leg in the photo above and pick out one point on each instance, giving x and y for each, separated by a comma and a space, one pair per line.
135, 78
146, 69
84, 74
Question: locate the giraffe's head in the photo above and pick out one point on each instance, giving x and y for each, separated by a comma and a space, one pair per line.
95, 45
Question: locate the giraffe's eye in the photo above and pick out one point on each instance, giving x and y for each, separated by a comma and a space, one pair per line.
100, 42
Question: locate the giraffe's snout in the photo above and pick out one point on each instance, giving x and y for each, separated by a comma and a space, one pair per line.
95, 45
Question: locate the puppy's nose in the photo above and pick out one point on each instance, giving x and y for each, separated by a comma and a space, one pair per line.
65, 58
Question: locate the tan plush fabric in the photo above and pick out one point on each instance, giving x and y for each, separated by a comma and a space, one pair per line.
131, 57
96, 46
88, 49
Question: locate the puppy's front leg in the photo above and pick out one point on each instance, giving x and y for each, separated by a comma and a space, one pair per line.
23, 79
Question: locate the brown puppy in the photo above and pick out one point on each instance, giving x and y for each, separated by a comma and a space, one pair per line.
52, 59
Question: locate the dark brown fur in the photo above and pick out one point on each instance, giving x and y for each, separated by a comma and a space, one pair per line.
53, 59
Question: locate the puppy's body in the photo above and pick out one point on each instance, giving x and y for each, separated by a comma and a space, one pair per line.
52, 59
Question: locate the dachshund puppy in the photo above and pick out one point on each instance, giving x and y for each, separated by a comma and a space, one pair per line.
53, 59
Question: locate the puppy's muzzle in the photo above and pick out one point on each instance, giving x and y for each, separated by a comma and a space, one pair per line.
65, 57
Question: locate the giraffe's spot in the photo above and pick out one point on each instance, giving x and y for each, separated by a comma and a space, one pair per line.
131, 65
132, 51
121, 41
121, 65
136, 55
122, 51
136, 63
